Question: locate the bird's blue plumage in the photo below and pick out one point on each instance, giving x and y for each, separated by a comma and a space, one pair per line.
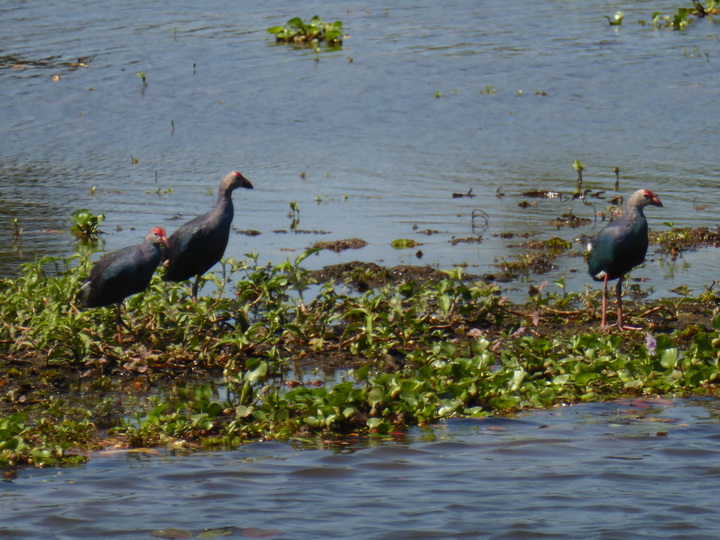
618, 248
200, 243
122, 273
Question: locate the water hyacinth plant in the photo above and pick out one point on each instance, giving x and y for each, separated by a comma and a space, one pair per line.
85, 224
617, 19
239, 364
308, 33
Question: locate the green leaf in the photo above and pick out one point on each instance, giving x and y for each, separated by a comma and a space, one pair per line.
517, 379
243, 412
258, 373
716, 322
375, 396
668, 358
332, 35
295, 22
172, 533
361, 373
404, 243
444, 303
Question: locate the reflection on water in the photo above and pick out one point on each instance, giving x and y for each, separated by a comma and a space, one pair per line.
359, 139
426, 99
631, 469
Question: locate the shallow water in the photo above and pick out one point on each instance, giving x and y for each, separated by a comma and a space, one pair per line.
630, 469
366, 149
358, 139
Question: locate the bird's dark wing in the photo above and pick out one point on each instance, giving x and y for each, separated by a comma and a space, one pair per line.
120, 274
199, 244
618, 248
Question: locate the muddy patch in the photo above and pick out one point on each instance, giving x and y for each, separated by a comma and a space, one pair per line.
341, 245
679, 239
364, 276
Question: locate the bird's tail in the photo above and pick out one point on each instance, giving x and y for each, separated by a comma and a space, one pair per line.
83, 295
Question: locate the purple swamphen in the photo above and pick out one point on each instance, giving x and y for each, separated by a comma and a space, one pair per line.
620, 247
200, 243
122, 273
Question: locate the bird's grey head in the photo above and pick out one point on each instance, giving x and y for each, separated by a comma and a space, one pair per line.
157, 236
235, 180
642, 198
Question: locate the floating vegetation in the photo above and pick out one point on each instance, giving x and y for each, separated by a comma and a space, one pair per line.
309, 33
418, 345
404, 243
543, 194
537, 257
683, 16
17, 228
294, 215
579, 168
679, 239
569, 220
467, 240
85, 224
52, 62
341, 245
617, 19
249, 232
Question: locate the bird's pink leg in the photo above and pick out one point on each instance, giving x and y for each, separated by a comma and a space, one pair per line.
618, 292
621, 321
604, 301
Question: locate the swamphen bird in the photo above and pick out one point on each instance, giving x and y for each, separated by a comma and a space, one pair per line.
122, 273
200, 243
620, 247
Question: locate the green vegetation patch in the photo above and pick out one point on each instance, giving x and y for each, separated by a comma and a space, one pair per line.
309, 33
245, 362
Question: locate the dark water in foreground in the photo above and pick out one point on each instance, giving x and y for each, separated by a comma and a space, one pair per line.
362, 144
619, 470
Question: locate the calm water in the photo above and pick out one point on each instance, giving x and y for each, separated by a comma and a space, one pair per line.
358, 139
623, 470
363, 145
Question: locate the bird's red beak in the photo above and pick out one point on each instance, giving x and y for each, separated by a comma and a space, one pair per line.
655, 201
159, 231
244, 182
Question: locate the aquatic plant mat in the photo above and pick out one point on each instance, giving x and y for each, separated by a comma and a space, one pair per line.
356, 350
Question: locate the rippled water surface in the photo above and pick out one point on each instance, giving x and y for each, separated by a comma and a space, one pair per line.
424, 100
631, 469
358, 139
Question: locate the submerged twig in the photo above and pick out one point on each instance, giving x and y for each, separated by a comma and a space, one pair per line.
477, 212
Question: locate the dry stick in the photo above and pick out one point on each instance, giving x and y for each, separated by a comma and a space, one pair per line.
564, 312
650, 312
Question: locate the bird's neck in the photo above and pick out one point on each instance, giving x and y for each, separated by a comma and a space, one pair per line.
633, 212
224, 198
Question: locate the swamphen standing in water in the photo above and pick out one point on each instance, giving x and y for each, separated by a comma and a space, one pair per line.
200, 243
620, 247
123, 273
